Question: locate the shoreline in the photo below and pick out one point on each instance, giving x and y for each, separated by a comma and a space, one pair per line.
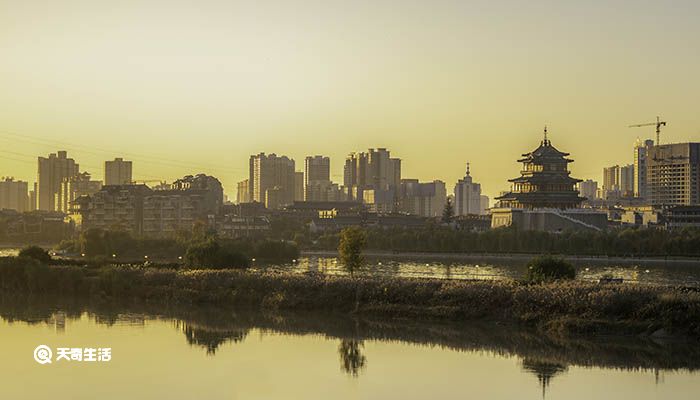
524, 257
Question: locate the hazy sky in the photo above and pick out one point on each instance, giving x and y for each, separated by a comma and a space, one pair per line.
197, 86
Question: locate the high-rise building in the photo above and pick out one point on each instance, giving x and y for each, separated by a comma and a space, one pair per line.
611, 182
423, 199
243, 193
372, 170
588, 189
317, 176
73, 187
467, 196
627, 180
118, 172
673, 174
14, 195
269, 172
298, 186
52, 170
641, 151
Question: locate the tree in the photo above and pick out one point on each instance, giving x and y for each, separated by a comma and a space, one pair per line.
36, 253
448, 213
352, 241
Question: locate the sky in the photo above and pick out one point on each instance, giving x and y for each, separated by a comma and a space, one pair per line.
183, 87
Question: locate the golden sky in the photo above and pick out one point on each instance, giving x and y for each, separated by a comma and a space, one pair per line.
197, 86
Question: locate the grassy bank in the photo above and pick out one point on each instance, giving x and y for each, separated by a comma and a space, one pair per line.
570, 307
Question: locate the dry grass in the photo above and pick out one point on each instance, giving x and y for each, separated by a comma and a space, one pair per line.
572, 306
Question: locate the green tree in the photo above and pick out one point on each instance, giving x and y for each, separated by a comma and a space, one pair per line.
352, 241
448, 213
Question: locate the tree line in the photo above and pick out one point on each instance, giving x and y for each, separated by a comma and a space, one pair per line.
613, 242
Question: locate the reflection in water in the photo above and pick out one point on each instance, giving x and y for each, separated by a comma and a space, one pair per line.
545, 357
544, 370
210, 338
351, 358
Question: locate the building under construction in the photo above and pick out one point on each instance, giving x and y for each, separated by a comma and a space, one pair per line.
673, 174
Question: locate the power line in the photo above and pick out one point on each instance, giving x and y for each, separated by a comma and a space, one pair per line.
10, 136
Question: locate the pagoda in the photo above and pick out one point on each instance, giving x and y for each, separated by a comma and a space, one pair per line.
544, 181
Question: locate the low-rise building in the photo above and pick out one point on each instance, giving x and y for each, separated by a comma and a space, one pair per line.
683, 217
153, 213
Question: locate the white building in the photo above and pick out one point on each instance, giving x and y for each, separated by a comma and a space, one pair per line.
467, 196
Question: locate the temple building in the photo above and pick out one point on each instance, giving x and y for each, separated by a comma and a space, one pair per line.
545, 197
544, 181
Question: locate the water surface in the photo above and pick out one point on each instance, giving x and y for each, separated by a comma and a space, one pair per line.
221, 354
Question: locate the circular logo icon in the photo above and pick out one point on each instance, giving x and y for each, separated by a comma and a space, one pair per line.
43, 354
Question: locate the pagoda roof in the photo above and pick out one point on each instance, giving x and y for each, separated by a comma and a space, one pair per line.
545, 152
545, 178
552, 197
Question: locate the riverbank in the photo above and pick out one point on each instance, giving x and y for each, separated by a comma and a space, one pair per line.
563, 308
515, 257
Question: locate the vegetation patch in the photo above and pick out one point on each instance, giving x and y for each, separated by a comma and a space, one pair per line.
562, 306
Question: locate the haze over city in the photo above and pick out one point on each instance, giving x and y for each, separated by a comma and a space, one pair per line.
187, 87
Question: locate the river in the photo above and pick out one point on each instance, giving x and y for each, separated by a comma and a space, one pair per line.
221, 354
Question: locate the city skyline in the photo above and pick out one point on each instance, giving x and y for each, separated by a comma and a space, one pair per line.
231, 190
198, 86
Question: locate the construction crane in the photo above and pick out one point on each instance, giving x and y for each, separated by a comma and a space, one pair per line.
658, 124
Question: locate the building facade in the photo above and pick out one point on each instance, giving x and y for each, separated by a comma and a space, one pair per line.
641, 152
14, 195
298, 186
588, 189
317, 179
374, 170
627, 180
467, 196
268, 172
673, 174
52, 171
143, 211
243, 192
74, 187
423, 199
118, 172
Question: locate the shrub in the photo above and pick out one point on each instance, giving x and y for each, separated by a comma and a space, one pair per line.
36, 253
548, 268
276, 250
211, 254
